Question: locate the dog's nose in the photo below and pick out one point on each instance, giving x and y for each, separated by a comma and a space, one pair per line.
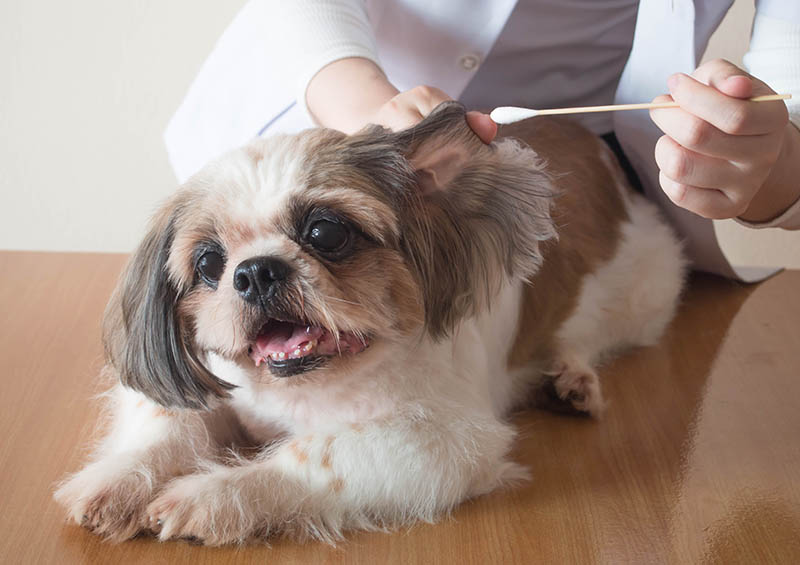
255, 278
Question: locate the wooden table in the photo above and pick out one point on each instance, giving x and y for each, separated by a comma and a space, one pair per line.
698, 458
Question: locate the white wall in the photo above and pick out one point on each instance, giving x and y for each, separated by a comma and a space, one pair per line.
86, 89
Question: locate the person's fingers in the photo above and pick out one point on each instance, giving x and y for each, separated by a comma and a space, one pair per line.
717, 73
719, 146
483, 126
398, 117
706, 202
696, 134
426, 98
731, 115
408, 108
730, 79
737, 86
687, 167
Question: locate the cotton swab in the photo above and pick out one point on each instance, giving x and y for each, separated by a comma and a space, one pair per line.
511, 114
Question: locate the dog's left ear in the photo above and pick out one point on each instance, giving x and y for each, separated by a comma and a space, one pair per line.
147, 339
476, 214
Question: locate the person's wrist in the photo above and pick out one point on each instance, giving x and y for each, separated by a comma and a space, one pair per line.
781, 189
348, 93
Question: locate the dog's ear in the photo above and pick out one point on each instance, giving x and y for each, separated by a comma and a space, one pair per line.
147, 339
476, 217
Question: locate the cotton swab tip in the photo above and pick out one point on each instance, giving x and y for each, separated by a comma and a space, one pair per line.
511, 114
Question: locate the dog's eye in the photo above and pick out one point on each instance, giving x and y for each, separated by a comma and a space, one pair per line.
327, 236
210, 267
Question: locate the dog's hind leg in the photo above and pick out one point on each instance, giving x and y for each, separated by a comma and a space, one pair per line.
571, 380
626, 302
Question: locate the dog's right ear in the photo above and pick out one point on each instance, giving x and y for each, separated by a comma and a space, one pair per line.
476, 215
146, 338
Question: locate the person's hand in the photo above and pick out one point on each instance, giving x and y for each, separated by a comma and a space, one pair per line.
351, 93
410, 107
721, 150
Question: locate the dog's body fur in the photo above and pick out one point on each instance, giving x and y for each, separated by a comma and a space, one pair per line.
417, 423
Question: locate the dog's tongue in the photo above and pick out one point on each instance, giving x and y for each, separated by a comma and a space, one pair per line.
286, 338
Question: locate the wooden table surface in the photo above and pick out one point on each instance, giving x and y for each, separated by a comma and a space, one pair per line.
697, 460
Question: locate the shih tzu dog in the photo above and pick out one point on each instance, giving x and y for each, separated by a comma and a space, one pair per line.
324, 332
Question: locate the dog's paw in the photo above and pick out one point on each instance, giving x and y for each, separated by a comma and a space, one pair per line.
579, 386
204, 508
108, 498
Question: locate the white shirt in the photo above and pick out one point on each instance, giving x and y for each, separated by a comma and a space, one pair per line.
558, 53
254, 81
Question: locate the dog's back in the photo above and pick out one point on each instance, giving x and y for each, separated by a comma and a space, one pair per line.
612, 278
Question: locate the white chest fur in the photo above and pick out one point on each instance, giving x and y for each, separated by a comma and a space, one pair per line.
468, 368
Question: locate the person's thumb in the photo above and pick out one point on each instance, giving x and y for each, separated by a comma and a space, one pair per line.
737, 86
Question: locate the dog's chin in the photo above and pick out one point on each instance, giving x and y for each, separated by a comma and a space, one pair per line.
289, 347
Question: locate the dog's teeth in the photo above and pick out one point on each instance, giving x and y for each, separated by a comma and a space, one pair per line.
281, 355
296, 352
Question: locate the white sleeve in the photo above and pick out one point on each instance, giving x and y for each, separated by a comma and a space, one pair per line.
774, 57
318, 32
256, 76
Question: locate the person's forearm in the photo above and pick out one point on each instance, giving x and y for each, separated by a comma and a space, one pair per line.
782, 187
772, 57
345, 94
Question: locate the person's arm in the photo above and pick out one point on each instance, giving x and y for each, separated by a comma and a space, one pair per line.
340, 82
774, 57
314, 34
350, 93
346, 93
778, 194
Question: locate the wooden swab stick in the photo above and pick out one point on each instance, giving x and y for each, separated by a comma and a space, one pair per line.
511, 114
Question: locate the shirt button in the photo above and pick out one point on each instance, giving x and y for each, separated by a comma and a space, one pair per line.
469, 62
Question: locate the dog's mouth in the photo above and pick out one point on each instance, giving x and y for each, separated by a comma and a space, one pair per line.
291, 347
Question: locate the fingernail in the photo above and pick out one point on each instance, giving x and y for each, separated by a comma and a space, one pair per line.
672, 81
735, 77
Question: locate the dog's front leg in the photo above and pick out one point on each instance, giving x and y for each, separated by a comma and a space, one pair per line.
147, 446
362, 476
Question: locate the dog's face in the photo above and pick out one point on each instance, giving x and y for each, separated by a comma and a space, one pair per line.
298, 253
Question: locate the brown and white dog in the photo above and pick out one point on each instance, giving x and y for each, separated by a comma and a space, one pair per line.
363, 313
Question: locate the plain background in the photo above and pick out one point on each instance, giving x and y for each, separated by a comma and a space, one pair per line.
86, 91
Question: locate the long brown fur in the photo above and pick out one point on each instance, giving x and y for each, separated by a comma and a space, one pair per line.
587, 214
